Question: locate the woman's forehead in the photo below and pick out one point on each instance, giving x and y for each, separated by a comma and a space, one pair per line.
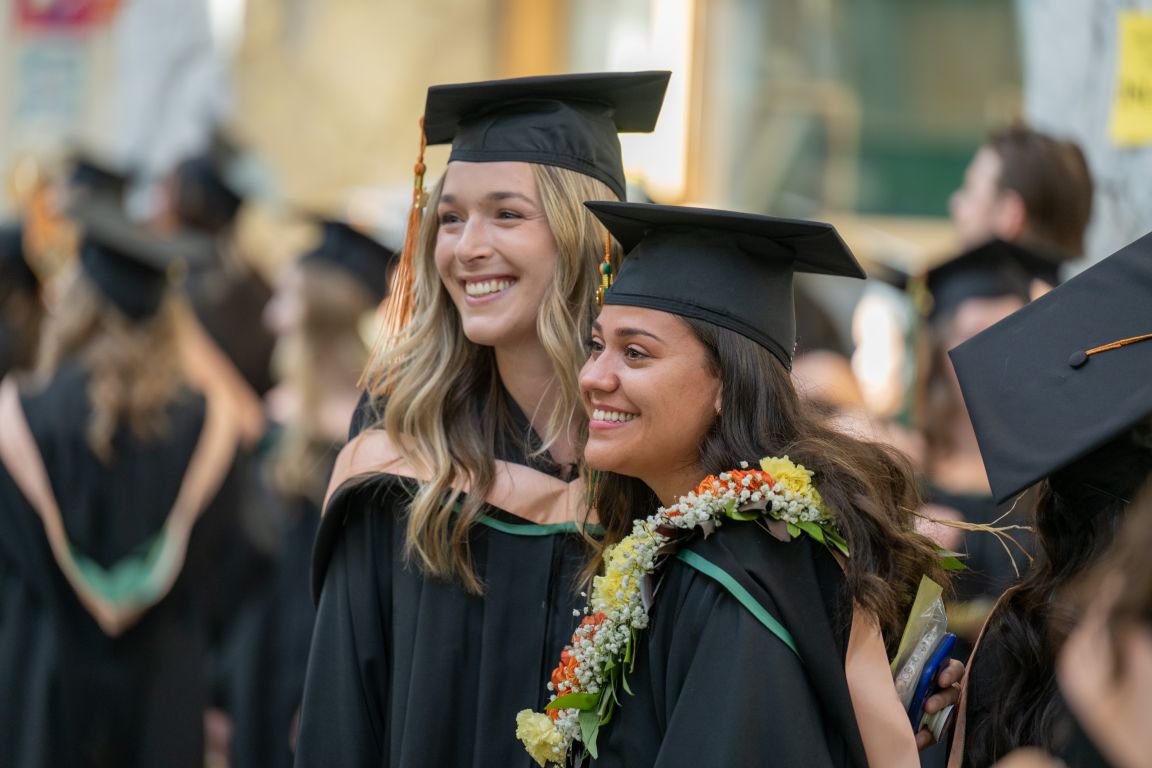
614, 318
485, 178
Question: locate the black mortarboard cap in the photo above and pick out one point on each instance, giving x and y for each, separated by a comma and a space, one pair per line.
128, 263
202, 198
15, 271
991, 270
356, 253
730, 269
89, 176
1046, 386
570, 121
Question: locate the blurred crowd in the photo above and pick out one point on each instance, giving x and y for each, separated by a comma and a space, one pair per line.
124, 335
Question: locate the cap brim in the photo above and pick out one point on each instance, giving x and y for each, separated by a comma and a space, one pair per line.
815, 247
104, 222
636, 98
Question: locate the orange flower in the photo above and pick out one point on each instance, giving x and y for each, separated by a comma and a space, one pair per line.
736, 477
565, 671
595, 619
707, 484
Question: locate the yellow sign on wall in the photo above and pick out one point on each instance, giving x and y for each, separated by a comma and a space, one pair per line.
1132, 105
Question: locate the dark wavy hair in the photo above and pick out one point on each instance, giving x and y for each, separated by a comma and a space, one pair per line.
870, 485
1078, 511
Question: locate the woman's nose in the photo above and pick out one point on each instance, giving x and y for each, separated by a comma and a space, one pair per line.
598, 374
474, 242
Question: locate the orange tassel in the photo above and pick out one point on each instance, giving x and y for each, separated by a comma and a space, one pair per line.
398, 305
1118, 344
398, 311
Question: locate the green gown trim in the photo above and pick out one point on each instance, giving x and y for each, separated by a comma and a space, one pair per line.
715, 572
136, 579
534, 529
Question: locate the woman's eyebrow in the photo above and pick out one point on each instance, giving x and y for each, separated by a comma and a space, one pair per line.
450, 199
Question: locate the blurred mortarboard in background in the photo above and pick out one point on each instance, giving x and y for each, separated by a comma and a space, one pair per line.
15, 272
730, 269
130, 264
202, 198
88, 175
358, 254
992, 270
569, 121
1064, 375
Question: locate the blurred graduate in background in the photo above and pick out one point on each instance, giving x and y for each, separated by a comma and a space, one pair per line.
21, 307
116, 504
323, 304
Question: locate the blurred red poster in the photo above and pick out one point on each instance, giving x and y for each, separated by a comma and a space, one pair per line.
64, 14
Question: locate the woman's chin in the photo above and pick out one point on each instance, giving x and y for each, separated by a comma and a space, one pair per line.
603, 460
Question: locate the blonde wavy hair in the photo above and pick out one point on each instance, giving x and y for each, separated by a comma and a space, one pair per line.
443, 396
326, 353
133, 367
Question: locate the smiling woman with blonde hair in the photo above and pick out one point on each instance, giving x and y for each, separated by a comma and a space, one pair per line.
455, 528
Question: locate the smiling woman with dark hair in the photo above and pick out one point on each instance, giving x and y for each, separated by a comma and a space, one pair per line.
730, 610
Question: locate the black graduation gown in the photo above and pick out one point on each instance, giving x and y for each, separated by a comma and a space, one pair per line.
414, 672
269, 654
70, 695
713, 686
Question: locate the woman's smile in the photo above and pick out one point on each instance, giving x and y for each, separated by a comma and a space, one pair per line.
486, 289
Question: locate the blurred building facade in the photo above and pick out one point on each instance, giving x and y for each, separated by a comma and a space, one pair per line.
865, 110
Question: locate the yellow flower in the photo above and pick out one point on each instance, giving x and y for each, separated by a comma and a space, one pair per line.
793, 476
608, 591
541, 738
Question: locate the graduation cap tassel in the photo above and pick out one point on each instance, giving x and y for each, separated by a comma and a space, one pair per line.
1079, 358
399, 304
605, 270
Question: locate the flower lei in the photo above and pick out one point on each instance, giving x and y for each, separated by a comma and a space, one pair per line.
603, 647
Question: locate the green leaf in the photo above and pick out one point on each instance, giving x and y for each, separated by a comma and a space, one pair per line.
582, 701
813, 530
624, 682
793, 530
949, 560
736, 514
607, 716
589, 729
840, 544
